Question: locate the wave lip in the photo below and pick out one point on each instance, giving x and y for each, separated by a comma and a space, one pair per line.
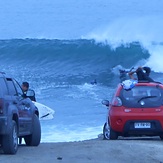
67, 58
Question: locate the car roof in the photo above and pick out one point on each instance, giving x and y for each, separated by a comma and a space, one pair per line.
149, 84
142, 83
145, 83
4, 75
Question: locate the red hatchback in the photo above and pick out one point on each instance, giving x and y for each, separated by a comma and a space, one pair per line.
135, 112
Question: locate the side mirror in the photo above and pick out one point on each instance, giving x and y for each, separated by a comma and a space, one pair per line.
105, 102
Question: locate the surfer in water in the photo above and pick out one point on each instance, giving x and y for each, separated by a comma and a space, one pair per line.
124, 74
94, 82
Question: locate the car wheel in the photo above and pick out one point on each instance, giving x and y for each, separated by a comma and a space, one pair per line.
108, 133
10, 141
35, 137
113, 135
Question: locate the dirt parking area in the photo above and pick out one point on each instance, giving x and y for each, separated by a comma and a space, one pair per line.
128, 150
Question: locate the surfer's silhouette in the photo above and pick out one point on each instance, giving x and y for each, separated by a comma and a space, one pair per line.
94, 82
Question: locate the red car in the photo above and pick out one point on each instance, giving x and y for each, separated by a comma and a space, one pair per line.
135, 112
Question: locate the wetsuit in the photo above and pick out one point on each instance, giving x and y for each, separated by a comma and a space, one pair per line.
144, 75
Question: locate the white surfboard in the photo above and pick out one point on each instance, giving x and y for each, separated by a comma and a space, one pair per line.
45, 113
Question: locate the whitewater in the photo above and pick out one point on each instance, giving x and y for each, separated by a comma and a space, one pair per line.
60, 47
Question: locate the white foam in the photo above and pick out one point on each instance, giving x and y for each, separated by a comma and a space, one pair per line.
147, 30
130, 29
156, 58
66, 135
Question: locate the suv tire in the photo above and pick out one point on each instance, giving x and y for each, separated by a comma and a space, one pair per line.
161, 137
10, 141
35, 137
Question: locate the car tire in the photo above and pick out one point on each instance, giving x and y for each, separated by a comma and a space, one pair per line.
35, 137
161, 137
10, 141
108, 133
113, 134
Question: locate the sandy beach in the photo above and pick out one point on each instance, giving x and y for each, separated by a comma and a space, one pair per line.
136, 150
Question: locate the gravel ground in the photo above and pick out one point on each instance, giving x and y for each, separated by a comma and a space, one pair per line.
128, 150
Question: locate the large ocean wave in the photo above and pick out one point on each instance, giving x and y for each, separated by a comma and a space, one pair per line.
72, 61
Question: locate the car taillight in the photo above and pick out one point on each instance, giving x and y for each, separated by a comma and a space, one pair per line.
1, 105
117, 101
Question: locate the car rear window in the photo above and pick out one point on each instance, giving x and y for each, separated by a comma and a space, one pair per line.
142, 96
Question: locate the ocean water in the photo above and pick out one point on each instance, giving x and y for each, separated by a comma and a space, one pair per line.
60, 47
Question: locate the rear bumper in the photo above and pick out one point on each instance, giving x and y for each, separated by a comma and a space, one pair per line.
155, 129
3, 125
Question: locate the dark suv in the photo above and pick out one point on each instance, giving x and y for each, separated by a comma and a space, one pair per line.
19, 118
135, 112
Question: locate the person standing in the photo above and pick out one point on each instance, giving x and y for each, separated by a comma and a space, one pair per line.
28, 92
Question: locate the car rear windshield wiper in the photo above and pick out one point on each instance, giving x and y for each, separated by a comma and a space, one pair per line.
145, 97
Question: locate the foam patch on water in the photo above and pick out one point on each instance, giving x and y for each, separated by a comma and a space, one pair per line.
66, 135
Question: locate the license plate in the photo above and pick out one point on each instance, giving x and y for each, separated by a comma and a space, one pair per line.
142, 125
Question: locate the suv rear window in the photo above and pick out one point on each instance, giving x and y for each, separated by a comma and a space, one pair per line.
142, 96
